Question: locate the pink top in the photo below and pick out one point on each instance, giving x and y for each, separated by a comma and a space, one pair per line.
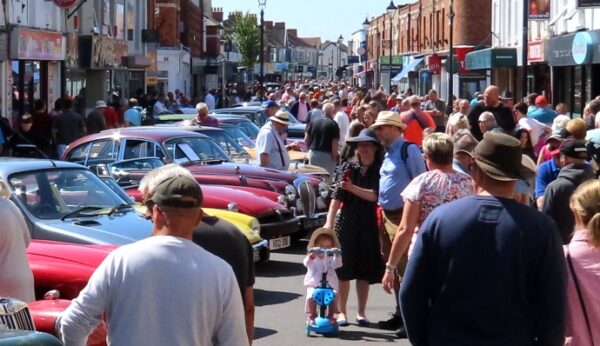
586, 262
434, 188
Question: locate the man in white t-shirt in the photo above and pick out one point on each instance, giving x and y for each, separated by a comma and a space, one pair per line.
210, 100
536, 129
343, 121
163, 290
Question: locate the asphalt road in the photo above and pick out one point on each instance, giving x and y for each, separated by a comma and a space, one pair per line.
279, 298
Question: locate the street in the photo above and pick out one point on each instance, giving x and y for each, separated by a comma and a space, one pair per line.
279, 298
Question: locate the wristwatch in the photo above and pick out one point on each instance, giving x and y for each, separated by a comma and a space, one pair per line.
390, 268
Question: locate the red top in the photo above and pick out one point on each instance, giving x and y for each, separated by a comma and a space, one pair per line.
111, 118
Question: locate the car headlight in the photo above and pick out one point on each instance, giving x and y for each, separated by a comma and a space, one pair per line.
290, 193
255, 225
282, 199
323, 189
233, 207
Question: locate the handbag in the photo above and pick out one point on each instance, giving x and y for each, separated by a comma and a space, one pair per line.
579, 296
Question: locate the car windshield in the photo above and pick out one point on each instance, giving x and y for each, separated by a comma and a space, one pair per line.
227, 143
194, 149
52, 194
247, 127
237, 134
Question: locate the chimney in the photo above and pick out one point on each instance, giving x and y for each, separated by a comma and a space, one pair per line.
217, 14
280, 25
292, 32
269, 24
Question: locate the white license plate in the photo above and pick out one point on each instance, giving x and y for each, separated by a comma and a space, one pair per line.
313, 223
256, 255
279, 243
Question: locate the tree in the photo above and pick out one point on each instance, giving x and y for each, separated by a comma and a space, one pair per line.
246, 34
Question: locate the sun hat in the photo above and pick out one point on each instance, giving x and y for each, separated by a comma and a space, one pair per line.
365, 135
179, 192
281, 117
323, 231
100, 104
500, 157
506, 95
389, 118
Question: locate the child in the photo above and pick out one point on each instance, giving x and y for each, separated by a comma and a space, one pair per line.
317, 264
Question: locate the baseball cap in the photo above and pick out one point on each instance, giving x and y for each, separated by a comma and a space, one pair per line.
270, 104
574, 148
178, 192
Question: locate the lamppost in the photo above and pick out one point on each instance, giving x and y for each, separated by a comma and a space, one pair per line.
366, 25
391, 11
524, 53
451, 56
339, 61
262, 4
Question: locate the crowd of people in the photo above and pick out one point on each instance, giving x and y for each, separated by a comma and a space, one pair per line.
437, 197
482, 220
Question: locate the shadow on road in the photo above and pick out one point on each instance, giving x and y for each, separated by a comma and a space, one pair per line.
262, 297
352, 335
263, 332
275, 269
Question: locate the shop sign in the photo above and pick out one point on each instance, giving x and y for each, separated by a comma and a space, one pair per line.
588, 3
535, 51
72, 58
582, 47
539, 9
385, 59
461, 55
100, 52
435, 64
64, 3
30, 44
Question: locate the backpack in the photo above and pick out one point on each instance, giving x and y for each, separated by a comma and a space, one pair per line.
417, 117
404, 154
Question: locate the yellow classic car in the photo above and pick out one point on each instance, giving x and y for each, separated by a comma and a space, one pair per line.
248, 225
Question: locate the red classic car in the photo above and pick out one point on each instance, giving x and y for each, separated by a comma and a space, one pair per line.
306, 195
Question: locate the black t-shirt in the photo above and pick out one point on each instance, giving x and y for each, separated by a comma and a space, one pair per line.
69, 126
504, 118
95, 122
321, 133
223, 239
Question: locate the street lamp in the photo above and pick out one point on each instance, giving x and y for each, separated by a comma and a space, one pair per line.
366, 25
339, 62
262, 4
451, 57
391, 11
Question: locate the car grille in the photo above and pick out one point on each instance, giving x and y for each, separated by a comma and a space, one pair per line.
14, 314
278, 216
307, 198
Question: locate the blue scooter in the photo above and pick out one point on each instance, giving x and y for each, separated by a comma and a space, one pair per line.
323, 297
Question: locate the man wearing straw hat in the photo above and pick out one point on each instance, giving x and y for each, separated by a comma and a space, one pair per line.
486, 269
270, 146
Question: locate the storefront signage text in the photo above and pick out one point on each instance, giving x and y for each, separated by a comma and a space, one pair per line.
582, 47
30, 44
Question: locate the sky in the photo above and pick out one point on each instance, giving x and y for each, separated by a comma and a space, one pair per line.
316, 18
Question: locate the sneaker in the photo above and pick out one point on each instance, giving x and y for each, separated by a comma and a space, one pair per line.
392, 324
401, 333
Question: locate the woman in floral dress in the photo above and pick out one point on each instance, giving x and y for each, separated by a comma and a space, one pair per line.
441, 184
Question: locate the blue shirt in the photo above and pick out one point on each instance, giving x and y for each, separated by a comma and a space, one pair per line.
133, 116
547, 172
543, 115
485, 271
395, 173
1, 138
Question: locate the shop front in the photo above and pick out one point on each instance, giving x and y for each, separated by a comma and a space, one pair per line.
575, 68
35, 73
501, 63
103, 58
408, 77
539, 80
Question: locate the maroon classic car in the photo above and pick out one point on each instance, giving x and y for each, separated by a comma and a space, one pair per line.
306, 195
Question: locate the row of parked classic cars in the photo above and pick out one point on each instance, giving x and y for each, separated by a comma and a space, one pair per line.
82, 207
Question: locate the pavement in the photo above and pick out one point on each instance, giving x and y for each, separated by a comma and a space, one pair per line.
279, 299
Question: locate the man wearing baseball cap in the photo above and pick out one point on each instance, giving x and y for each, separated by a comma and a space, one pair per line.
151, 290
574, 172
486, 269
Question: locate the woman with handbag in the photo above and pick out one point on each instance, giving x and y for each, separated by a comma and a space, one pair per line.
583, 267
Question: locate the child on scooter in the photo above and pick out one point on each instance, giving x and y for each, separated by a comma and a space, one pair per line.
317, 264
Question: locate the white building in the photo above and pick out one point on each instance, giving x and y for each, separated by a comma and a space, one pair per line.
332, 57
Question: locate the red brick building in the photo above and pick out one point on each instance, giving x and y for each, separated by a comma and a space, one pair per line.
420, 42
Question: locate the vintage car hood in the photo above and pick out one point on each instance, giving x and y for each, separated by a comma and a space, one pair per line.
117, 229
51, 252
218, 197
246, 170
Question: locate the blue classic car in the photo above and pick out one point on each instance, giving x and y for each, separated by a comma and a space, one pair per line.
66, 202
